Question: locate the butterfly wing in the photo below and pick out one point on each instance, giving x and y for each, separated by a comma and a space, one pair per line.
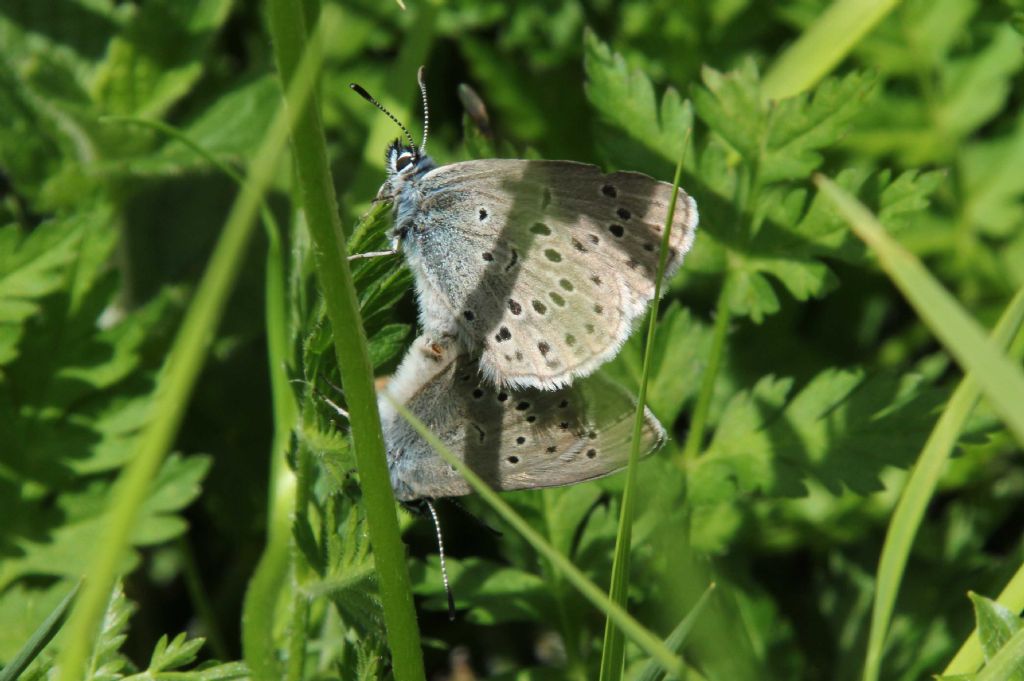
523, 439
540, 266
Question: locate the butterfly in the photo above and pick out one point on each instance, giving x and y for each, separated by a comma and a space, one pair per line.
539, 268
513, 439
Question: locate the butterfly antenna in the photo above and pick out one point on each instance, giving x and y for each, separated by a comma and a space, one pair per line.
426, 111
368, 97
444, 567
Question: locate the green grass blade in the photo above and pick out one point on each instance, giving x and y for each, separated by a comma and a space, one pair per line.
613, 652
177, 380
824, 44
906, 519
290, 38
39, 638
1000, 380
653, 671
647, 641
261, 597
258, 613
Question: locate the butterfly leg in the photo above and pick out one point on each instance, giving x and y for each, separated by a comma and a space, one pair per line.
372, 254
338, 409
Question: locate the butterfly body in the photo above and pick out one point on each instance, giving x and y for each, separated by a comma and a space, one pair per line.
521, 439
539, 267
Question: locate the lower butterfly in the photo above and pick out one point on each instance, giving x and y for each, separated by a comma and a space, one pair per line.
512, 439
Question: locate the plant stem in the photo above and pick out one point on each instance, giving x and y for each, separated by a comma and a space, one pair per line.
269, 577
288, 30
723, 315
300, 570
297, 638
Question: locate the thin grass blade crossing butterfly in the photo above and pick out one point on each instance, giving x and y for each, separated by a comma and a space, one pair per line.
539, 267
513, 439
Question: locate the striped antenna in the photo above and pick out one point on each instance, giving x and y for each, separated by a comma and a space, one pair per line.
444, 567
361, 91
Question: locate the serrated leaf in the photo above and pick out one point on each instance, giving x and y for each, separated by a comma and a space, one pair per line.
841, 429
175, 487
55, 543
302, 531
779, 139
33, 266
387, 343
175, 654
73, 400
636, 132
107, 661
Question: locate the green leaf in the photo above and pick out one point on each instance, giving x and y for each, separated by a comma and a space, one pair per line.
157, 59
387, 343
993, 188
493, 593
60, 549
755, 223
178, 653
175, 487
780, 139
976, 88
74, 396
33, 266
108, 663
842, 430
996, 625
678, 357
1008, 663
229, 129
1001, 380
636, 132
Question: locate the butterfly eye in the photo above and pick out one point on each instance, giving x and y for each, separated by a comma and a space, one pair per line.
403, 160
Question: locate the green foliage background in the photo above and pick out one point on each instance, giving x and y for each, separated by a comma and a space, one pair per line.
797, 383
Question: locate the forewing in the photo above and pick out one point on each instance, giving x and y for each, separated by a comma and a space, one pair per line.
522, 439
544, 265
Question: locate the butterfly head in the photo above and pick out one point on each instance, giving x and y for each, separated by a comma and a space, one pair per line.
405, 165
404, 161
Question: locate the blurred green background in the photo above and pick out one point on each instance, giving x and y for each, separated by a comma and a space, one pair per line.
816, 383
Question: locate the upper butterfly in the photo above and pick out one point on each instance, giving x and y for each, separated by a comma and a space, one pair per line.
541, 267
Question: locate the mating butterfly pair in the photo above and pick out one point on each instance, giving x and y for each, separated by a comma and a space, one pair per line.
529, 276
